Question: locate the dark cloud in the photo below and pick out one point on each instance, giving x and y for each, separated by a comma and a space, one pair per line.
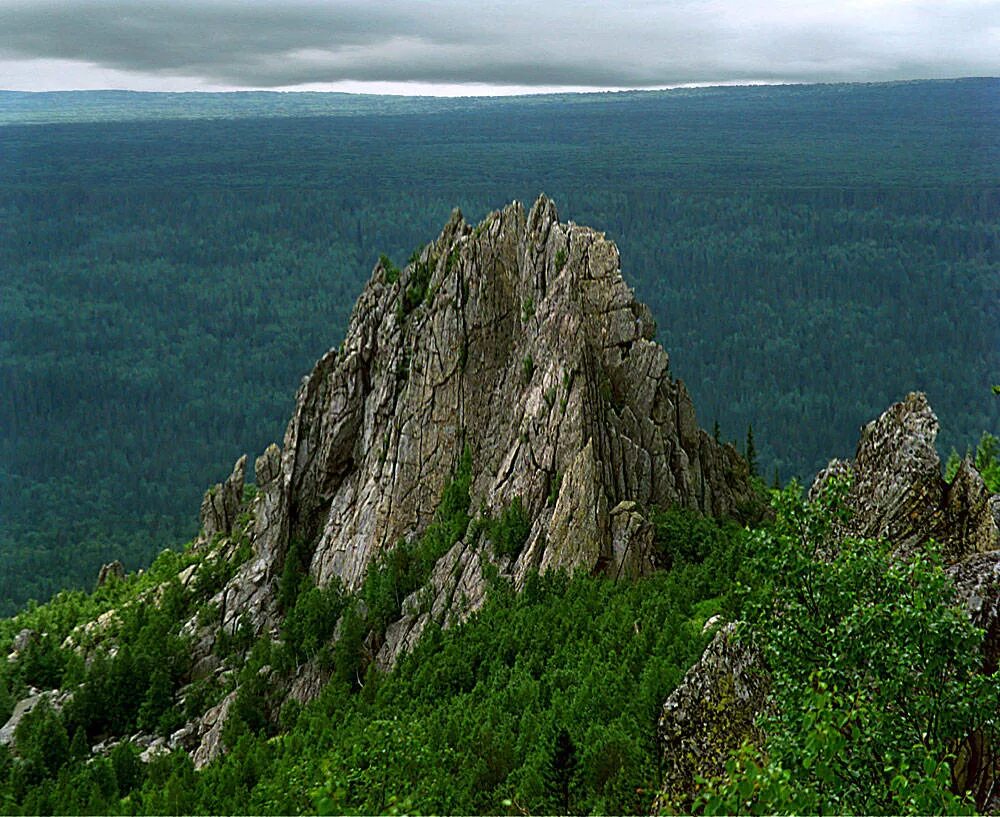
597, 44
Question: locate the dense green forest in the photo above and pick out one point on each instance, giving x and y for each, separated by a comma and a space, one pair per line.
810, 254
545, 701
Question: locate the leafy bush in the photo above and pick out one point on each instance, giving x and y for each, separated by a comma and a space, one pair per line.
310, 623
876, 675
527, 368
685, 535
416, 288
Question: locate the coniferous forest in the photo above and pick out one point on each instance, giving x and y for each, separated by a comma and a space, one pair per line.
809, 253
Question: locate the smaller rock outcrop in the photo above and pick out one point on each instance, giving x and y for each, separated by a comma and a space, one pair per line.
112, 571
896, 493
712, 711
35, 698
222, 502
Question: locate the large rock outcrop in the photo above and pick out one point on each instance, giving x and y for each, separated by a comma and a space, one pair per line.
896, 493
519, 339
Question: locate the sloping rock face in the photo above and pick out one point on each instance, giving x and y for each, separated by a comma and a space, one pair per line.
897, 493
519, 339
712, 711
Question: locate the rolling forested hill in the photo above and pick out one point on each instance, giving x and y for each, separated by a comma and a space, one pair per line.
810, 254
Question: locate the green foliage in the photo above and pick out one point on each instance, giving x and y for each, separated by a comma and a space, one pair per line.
294, 573
417, 284
467, 722
391, 270
682, 535
527, 309
309, 624
509, 533
560, 259
986, 459
471, 718
136, 686
751, 452
560, 773
876, 676
555, 485
42, 742
527, 368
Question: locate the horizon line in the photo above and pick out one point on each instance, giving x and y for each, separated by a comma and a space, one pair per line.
497, 92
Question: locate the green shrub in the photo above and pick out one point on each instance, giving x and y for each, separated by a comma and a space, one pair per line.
509, 533
685, 535
391, 270
527, 368
310, 623
294, 573
416, 288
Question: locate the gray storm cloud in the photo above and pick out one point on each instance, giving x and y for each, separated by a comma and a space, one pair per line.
558, 43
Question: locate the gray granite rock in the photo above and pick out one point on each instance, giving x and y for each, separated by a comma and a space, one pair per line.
528, 347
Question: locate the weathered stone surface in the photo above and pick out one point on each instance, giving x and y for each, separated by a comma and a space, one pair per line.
456, 589
711, 712
112, 571
529, 348
209, 732
26, 705
898, 494
23, 639
222, 502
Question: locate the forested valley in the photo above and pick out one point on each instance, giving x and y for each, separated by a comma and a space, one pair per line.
809, 253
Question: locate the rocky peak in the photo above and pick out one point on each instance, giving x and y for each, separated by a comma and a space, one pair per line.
222, 502
519, 339
897, 491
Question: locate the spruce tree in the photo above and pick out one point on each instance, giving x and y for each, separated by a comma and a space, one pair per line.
751, 452
560, 771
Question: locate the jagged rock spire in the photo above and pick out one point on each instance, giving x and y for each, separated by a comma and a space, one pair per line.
520, 339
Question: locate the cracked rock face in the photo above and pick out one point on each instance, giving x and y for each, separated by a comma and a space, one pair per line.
221, 503
897, 492
520, 339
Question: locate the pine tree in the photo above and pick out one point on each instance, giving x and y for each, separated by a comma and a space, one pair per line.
561, 770
751, 452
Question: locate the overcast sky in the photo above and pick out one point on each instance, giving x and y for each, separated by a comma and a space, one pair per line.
467, 46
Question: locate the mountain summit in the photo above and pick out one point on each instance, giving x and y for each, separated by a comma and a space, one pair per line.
516, 343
